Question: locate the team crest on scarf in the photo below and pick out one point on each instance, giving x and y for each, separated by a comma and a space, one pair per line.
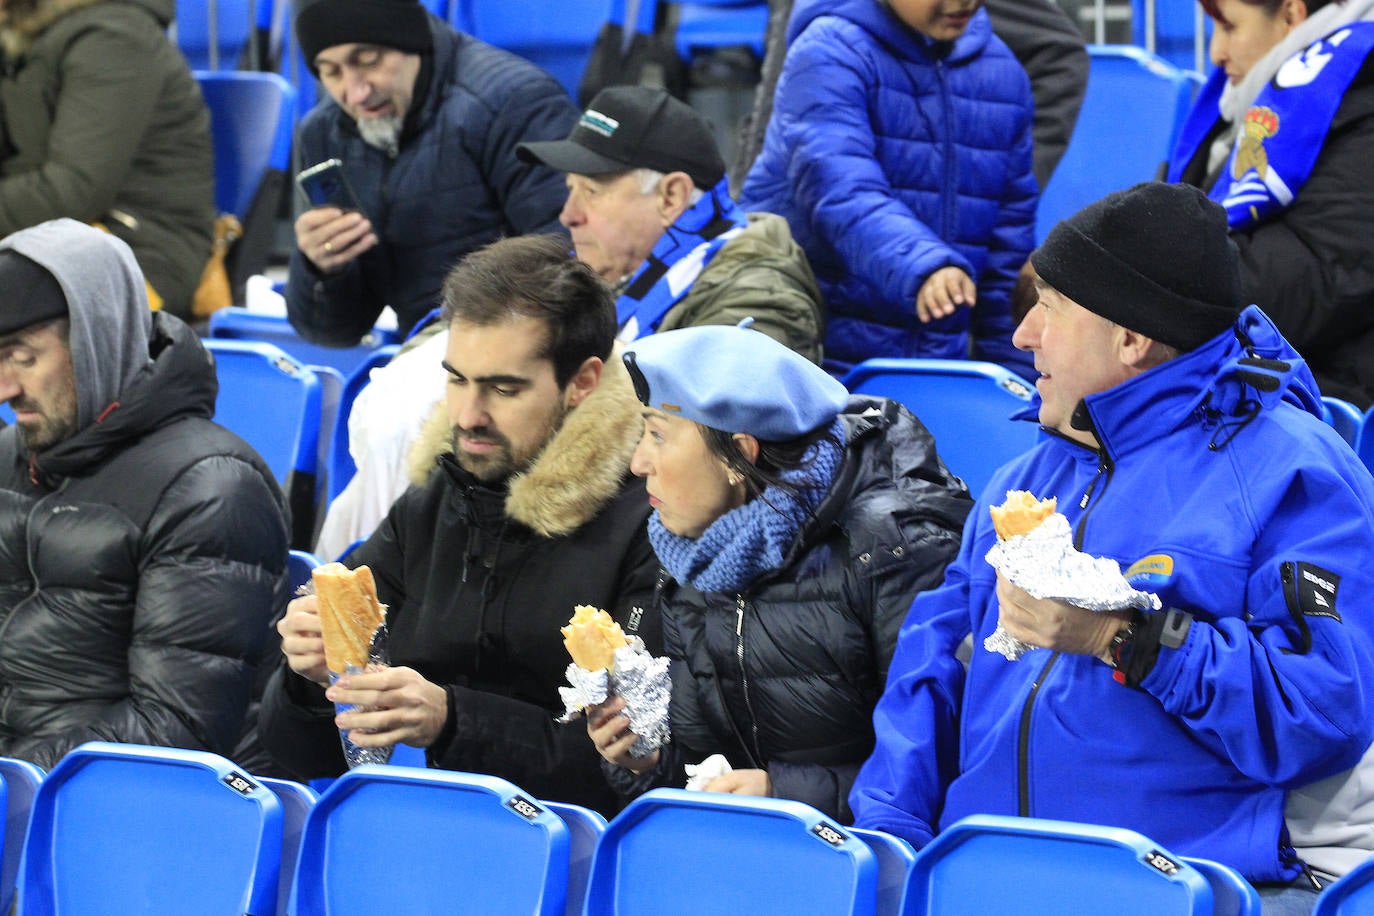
1286, 127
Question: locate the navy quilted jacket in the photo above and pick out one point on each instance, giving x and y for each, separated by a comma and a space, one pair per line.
454, 186
892, 156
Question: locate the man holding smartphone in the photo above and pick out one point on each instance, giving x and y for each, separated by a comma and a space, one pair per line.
424, 121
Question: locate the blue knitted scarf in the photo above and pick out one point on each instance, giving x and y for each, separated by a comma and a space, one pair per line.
755, 538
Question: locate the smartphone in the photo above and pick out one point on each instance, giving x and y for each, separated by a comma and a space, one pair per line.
326, 185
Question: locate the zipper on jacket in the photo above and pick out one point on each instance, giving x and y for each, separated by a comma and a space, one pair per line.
949, 192
33, 591
1103, 477
1023, 741
744, 678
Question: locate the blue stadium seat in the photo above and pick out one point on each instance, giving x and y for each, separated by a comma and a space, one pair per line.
296, 802
1364, 441
1016, 866
557, 37
896, 858
1344, 417
1352, 895
241, 324
20, 780
1131, 114
1232, 895
293, 66
710, 854
704, 25
250, 127
121, 828
212, 34
340, 468
273, 402
472, 843
585, 828
1175, 30
299, 564
966, 405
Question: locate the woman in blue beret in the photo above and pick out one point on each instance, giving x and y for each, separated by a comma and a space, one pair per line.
795, 524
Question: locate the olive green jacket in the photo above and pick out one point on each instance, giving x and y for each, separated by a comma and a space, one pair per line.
761, 274
101, 121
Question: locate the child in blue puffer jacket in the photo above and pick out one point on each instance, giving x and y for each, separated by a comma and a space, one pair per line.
899, 151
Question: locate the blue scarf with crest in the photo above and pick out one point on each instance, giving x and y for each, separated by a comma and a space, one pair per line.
1284, 129
684, 249
755, 538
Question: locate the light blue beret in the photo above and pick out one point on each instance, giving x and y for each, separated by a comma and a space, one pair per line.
735, 380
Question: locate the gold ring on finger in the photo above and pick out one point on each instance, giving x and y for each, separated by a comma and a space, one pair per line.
328, 247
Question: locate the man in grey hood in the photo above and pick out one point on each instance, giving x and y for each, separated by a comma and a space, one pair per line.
141, 544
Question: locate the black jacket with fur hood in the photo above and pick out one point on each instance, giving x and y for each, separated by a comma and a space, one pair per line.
140, 558
478, 582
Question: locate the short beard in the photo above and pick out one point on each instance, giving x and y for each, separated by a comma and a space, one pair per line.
384, 132
503, 463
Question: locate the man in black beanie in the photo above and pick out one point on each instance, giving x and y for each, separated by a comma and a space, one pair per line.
1225, 664
425, 121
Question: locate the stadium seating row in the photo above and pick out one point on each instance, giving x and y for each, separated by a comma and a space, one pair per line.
134, 829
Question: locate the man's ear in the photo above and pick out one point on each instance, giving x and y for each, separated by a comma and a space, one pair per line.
673, 196
1140, 352
748, 447
1294, 12
583, 382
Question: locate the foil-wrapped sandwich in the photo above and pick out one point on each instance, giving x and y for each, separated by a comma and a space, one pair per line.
1035, 552
607, 663
353, 626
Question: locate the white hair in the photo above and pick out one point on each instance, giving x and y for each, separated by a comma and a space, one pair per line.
649, 179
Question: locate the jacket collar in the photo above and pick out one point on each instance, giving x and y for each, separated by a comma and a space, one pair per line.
1226, 382
20, 28
581, 469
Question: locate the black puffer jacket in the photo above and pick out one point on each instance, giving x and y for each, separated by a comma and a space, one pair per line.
785, 675
139, 561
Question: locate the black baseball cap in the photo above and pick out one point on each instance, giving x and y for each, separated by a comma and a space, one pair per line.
634, 127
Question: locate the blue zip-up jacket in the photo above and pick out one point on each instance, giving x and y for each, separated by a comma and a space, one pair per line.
454, 186
892, 156
1225, 518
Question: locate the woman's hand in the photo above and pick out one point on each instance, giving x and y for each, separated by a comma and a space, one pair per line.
742, 782
609, 728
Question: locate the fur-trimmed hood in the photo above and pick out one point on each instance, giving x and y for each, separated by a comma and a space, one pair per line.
579, 471
22, 22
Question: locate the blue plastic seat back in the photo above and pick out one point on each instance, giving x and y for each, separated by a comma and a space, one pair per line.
722, 855
19, 781
895, 861
558, 37
1364, 440
1344, 417
1028, 867
299, 564
704, 25
1175, 30
464, 842
340, 467
212, 34
241, 324
966, 405
119, 828
585, 829
1132, 111
1232, 895
271, 401
296, 802
1352, 895
250, 129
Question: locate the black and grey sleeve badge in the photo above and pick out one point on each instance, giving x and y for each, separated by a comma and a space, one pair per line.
1312, 592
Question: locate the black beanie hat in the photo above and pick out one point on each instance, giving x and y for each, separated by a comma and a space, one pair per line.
1156, 258
399, 24
29, 293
